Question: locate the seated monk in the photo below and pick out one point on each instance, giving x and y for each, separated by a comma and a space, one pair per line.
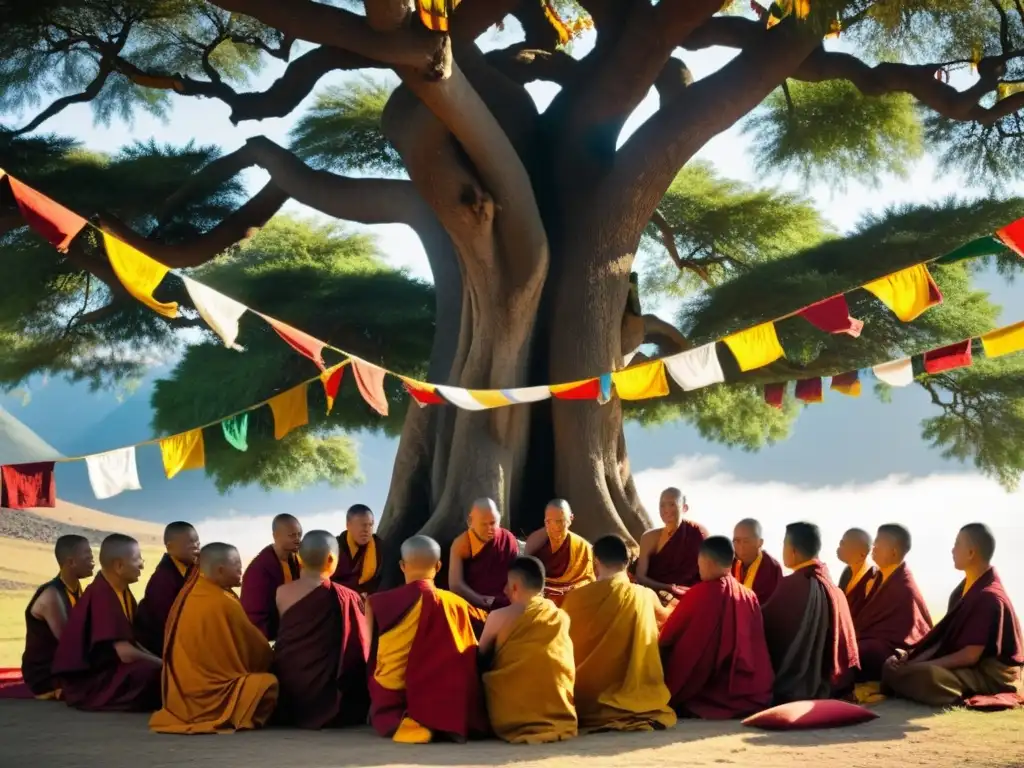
754, 568
858, 577
217, 674
322, 643
895, 614
713, 648
620, 684
807, 625
567, 559
182, 544
977, 649
47, 613
668, 556
360, 552
99, 665
531, 673
480, 558
424, 683
273, 566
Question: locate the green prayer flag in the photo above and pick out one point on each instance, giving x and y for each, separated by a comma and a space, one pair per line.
235, 430
983, 246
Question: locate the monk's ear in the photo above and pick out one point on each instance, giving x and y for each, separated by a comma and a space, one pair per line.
332, 561
401, 564
437, 568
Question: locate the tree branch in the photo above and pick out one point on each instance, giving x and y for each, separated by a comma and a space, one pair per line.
91, 92
668, 338
523, 64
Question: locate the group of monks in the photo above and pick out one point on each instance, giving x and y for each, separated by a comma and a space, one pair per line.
532, 642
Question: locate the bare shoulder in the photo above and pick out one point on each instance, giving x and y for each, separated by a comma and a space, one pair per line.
45, 599
650, 538
536, 540
460, 547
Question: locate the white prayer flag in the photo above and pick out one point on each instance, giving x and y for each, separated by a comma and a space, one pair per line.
113, 472
220, 312
696, 368
898, 373
527, 394
460, 397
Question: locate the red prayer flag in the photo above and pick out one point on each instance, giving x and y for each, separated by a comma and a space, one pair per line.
773, 394
331, 380
948, 358
423, 396
370, 380
809, 390
1012, 236
847, 383
833, 316
300, 341
47, 217
588, 390
28, 485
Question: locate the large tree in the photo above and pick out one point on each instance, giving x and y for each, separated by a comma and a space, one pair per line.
532, 222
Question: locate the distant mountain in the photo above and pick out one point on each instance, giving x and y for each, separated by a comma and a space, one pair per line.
19, 444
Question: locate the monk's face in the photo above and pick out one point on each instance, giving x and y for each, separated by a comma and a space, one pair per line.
484, 523
184, 547
556, 523
885, 553
746, 543
790, 558
81, 564
229, 573
360, 529
671, 507
963, 552
852, 548
288, 535
130, 568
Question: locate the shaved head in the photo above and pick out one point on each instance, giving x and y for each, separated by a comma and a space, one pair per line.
421, 549
317, 550
287, 533
981, 539
484, 519
116, 547
182, 542
221, 564
751, 526
282, 521
854, 546
74, 556
68, 546
358, 510
177, 528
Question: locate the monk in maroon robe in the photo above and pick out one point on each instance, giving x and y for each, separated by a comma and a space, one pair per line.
99, 664
360, 552
424, 681
754, 568
47, 613
807, 625
895, 614
857, 578
568, 559
976, 652
322, 643
713, 648
182, 544
480, 558
668, 556
273, 566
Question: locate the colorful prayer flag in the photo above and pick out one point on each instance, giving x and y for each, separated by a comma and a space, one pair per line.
809, 390
290, 409
604, 382
897, 373
774, 392
461, 398
755, 347
236, 431
489, 398
833, 316
434, 13
422, 392
847, 383
982, 246
139, 274
47, 217
370, 380
220, 312
948, 358
23, 486
1013, 236
696, 368
1003, 341
584, 389
908, 293
527, 394
300, 341
113, 472
183, 452
641, 382
331, 379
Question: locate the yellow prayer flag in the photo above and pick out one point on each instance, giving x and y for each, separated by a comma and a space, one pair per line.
641, 381
908, 293
183, 452
1003, 341
139, 274
755, 347
490, 398
290, 409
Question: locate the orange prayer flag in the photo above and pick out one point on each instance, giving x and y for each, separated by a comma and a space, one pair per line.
847, 383
290, 409
370, 380
434, 13
300, 341
422, 392
47, 217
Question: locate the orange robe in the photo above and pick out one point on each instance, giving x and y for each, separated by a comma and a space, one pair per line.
216, 675
858, 592
568, 567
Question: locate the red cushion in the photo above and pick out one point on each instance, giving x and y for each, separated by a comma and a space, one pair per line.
822, 713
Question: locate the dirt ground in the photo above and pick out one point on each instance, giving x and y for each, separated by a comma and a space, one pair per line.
44, 734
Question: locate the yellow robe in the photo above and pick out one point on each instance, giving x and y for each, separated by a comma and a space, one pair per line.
620, 684
529, 689
216, 675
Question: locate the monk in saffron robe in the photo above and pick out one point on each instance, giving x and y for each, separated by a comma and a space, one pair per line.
47, 613
858, 577
620, 684
99, 665
216, 675
566, 557
977, 649
273, 566
754, 568
182, 544
713, 648
668, 556
322, 643
360, 552
895, 614
807, 625
531, 673
424, 683
480, 558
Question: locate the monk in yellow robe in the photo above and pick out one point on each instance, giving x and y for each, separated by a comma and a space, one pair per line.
424, 682
216, 675
614, 624
567, 559
531, 675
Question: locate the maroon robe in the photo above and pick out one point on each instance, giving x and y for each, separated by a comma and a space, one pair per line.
40, 644
259, 589
163, 587
714, 652
320, 660
859, 595
676, 563
87, 667
487, 573
766, 580
351, 568
895, 615
810, 636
